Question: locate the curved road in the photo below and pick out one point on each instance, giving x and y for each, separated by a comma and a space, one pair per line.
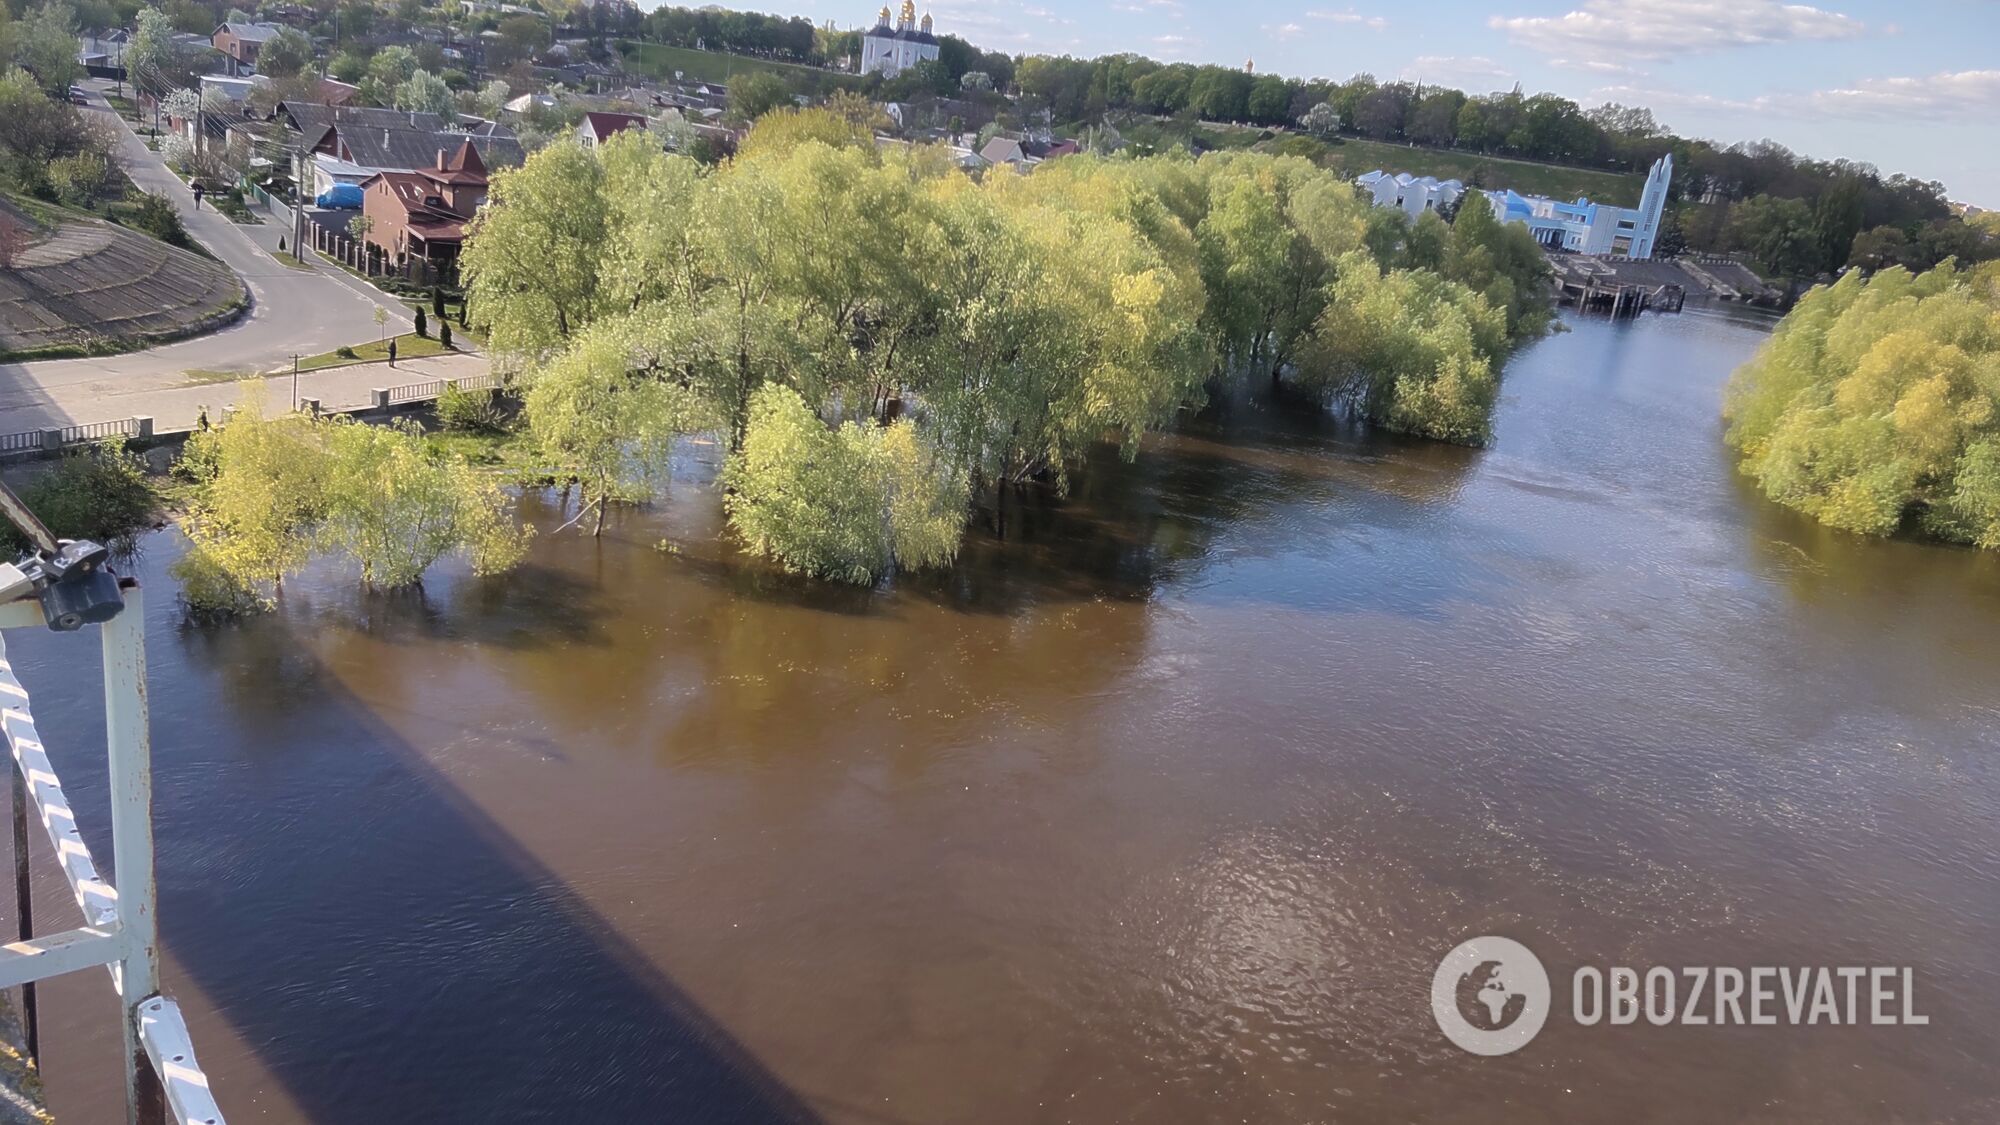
295, 310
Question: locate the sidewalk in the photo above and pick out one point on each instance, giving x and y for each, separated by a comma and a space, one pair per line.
336, 388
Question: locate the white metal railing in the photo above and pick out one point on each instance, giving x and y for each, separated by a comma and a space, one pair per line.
120, 927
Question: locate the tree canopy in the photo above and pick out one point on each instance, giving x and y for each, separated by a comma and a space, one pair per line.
1875, 406
881, 338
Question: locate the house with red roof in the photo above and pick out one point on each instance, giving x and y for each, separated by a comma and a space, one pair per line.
598, 126
421, 216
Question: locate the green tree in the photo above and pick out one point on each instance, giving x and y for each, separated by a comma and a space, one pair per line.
602, 415
754, 94
427, 93
532, 264
46, 47
392, 66
286, 55
1410, 350
269, 494
1875, 406
850, 502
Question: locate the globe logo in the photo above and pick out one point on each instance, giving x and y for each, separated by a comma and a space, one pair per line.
1490, 995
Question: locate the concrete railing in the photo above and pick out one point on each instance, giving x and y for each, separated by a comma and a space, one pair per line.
54, 439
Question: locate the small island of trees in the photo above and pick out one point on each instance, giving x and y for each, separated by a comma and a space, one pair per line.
882, 340
1875, 406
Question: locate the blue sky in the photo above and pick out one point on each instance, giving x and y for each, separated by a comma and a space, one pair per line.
1911, 87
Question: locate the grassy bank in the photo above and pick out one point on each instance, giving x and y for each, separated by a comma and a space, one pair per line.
657, 60
408, 346
1351, 156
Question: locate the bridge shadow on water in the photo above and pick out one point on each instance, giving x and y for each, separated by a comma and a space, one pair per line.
416, 965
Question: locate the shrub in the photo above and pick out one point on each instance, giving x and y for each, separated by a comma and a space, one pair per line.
270, 494
155, 215
848, 503
102, 494
444, 333
345, 352
470, 412
422, 327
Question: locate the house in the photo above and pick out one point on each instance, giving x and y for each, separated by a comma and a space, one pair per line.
420, 215
103, 49
1009, 151
335, 92
240, 43
890, 51
347, 145
1414, 195
599, 125
525, 102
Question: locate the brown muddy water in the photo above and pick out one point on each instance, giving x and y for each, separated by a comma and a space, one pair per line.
1161, 811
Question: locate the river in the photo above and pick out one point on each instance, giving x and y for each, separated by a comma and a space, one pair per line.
1162, 810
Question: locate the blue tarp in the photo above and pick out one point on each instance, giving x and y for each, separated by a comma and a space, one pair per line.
341, 197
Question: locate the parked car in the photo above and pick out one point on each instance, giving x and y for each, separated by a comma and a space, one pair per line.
341, 197
79, 96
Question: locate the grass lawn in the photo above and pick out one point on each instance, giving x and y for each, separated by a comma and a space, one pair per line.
408, 346
657, 60
1355, 156
1351, 156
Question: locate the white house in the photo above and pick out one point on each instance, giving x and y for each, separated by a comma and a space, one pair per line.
892, 50
1413, 194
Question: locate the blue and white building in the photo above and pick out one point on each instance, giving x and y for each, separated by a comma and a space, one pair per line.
1581, 227
1584, 227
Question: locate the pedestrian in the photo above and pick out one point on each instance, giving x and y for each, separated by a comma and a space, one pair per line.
197, 188
392, 351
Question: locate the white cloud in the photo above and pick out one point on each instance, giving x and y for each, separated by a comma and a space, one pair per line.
1284, 31
1372, 23
1597, 66
1658, 28
1457, 70
1964, 93
1970, 94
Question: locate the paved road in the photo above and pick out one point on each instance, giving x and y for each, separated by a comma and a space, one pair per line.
295, 311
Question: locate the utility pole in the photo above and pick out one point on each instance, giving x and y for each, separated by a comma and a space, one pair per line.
295, 381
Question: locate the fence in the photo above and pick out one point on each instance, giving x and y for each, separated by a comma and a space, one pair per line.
419, 392
52, 439
368, 259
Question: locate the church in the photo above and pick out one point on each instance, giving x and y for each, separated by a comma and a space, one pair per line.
892, 50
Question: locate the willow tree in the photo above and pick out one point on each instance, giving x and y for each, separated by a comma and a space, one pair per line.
850, 501
1273, 229
1875, 405
604, 413
533, 264
1410, 350
269, 494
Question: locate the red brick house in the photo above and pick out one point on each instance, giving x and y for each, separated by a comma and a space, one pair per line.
421, 216
240, 42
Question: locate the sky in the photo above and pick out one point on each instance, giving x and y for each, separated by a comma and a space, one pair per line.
1910, 87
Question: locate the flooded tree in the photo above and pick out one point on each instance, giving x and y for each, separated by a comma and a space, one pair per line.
1875, 406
